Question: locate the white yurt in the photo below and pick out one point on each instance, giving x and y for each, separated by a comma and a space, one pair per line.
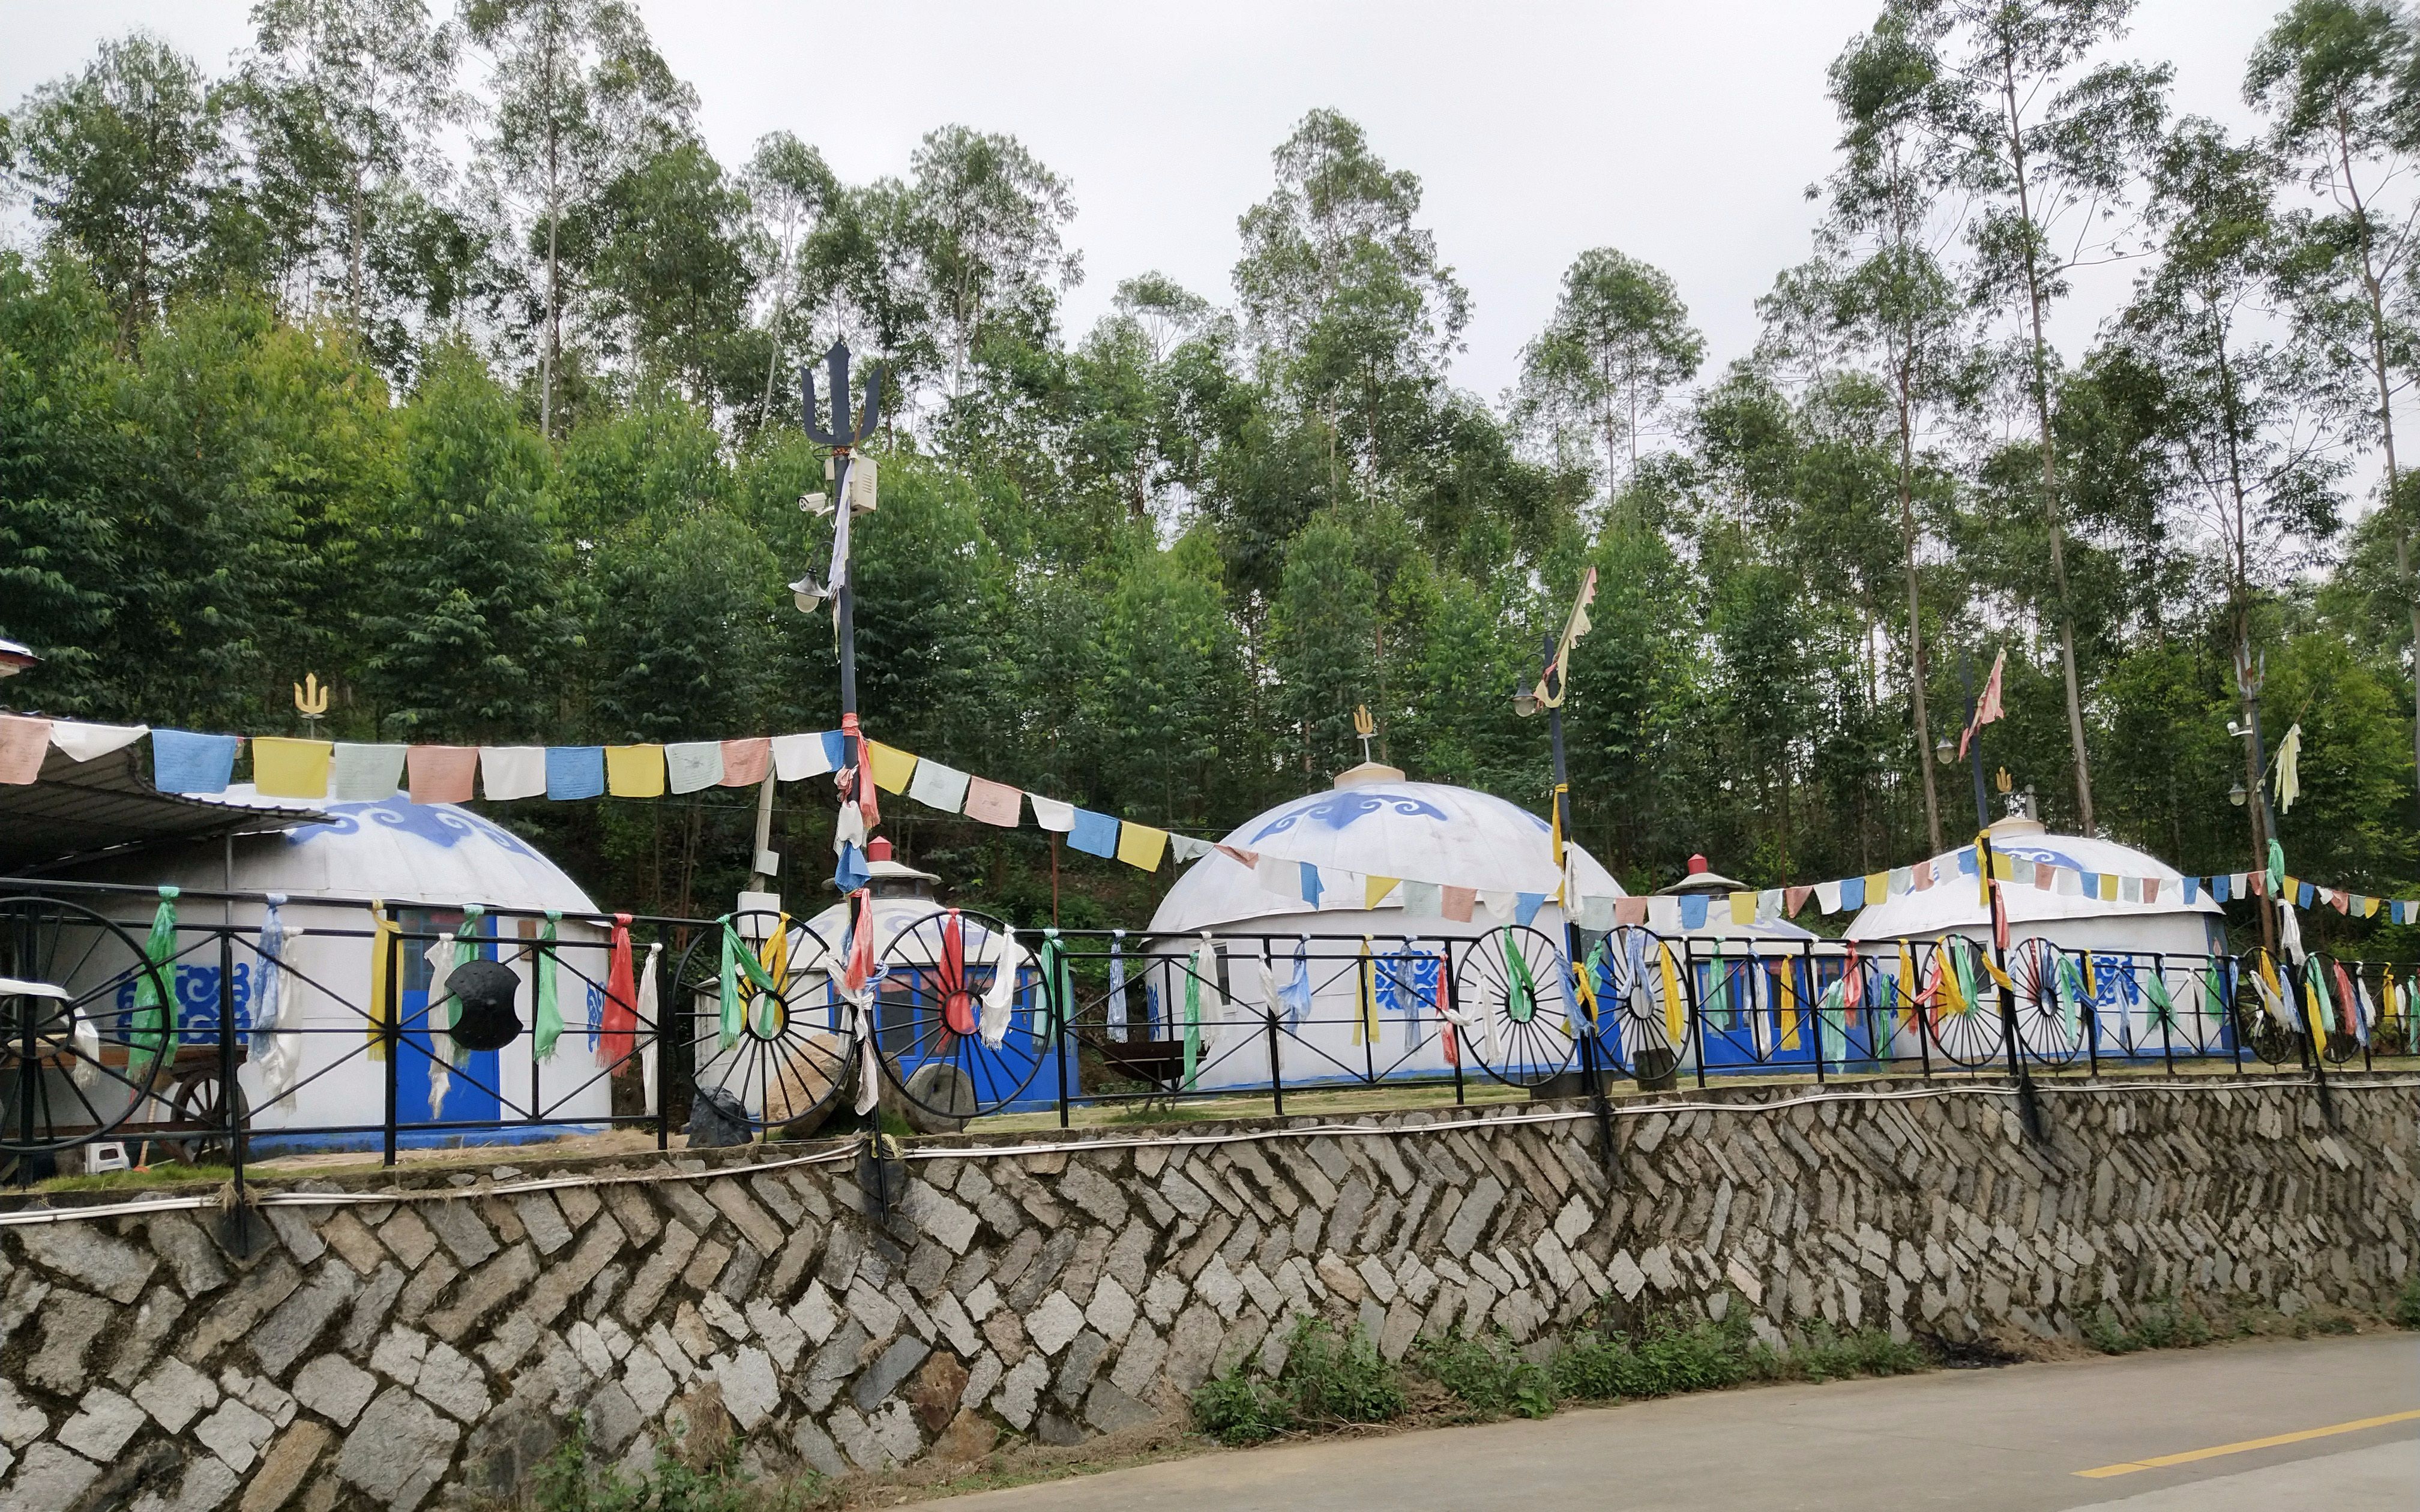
1378, 962
431, 863
2071, 920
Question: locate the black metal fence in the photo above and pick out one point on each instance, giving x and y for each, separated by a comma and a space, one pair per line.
337, 1022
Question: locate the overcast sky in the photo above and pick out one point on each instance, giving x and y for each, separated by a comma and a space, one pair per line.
1681, 133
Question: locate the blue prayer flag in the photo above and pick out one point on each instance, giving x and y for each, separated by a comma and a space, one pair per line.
575, 771
1967, 862
2193, 885
2306, 895
1853, 892
1525, 906
1311, 886
183, 762
1692, 910
1095, 834
835, 749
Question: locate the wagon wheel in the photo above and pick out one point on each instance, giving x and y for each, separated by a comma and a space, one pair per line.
75, 1067
2256, 1028
1630, 1021
1510, 989
200, 1102
785, 1059
954, 1048
2051, 1029
1973, 1035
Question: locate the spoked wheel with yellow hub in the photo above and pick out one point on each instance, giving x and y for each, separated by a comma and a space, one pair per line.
771, 1038
1512, 996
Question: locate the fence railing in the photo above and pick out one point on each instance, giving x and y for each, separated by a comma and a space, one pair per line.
328, 1023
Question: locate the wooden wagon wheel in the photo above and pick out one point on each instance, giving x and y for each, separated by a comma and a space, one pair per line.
1511, 989
74, 1065
202, 1103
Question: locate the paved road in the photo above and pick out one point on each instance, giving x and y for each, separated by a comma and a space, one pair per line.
2012, 1440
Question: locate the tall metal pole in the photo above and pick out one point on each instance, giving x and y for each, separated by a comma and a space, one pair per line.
1590, 1075
2264, 820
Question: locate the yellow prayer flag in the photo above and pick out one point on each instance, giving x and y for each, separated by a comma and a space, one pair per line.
1742, 909
2369, 908
634, 771
2108, 886
286, 768
382, 1014
1877, 886
1788, 1005
1139, 845
1374, 889
2001, 870
893, 767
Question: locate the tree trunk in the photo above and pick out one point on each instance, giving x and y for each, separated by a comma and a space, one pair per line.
1915, 622
2371, 286
2050, 459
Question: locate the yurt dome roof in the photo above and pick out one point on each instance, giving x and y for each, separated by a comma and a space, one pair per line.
403, 852
1388, 827
1957, 903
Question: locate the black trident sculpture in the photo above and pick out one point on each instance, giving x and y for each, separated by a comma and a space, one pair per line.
841, 437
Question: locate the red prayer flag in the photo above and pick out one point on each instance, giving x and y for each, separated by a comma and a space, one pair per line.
1987, 708
440, 774
746, 762
24, 746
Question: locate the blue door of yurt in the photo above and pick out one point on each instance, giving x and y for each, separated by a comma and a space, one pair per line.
471, 1096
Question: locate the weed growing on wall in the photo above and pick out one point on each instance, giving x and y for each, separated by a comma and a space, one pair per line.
1330, 1379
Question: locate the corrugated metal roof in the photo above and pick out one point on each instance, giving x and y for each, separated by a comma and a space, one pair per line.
76, 810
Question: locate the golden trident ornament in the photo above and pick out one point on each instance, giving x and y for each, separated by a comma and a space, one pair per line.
311, 700
1365, 727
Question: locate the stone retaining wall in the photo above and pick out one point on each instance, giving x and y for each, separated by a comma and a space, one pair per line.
386, 1354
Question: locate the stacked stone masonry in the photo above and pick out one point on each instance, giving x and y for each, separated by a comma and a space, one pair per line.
401, 1353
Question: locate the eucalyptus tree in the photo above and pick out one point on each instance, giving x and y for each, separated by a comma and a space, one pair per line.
581, 96
790, 193
1344, 295
983, 222
2340, 83
1879, 286
2251, 417
2050, 142
131, 167
1619, 343
347, 100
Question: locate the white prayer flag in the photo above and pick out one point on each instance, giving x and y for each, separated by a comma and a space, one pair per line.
937, 786
797, 757
512, 771
1058, 818
693, 766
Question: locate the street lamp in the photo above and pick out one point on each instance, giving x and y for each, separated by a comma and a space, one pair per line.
1944, 750
2236, 794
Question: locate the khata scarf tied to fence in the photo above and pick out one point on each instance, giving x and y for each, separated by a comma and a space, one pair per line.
1116, 1012
1057, 985
153, 1027
1365, 982
448, 1055
618, 1027
545, 1014
1000, 994
276, 1038
858, 974
383, 936
1676, 1009
957, 1003
1204, 960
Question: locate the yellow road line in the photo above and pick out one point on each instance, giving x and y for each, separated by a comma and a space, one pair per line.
2162, 1462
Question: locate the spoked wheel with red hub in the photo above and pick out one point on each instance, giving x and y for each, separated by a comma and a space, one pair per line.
959, 1017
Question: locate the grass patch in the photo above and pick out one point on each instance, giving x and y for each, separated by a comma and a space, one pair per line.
2163, 1323
159, 1173
2407, 1305
1156, 1113
1333, 1380
567, 1482
1330, 1380
1490, 1375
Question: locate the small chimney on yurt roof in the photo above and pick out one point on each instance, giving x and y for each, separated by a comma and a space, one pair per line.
1700, 878
888, 878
